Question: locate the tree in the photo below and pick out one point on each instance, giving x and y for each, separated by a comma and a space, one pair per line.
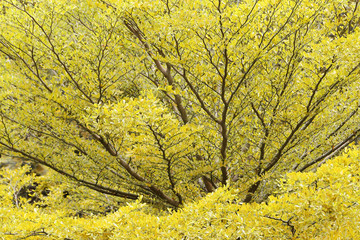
173, 99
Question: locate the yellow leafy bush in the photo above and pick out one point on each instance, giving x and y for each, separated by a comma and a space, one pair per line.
312, 205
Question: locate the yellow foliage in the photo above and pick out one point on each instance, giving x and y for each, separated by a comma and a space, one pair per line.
313, 205
170, 100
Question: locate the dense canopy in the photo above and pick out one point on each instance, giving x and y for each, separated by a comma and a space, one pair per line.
170, 100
